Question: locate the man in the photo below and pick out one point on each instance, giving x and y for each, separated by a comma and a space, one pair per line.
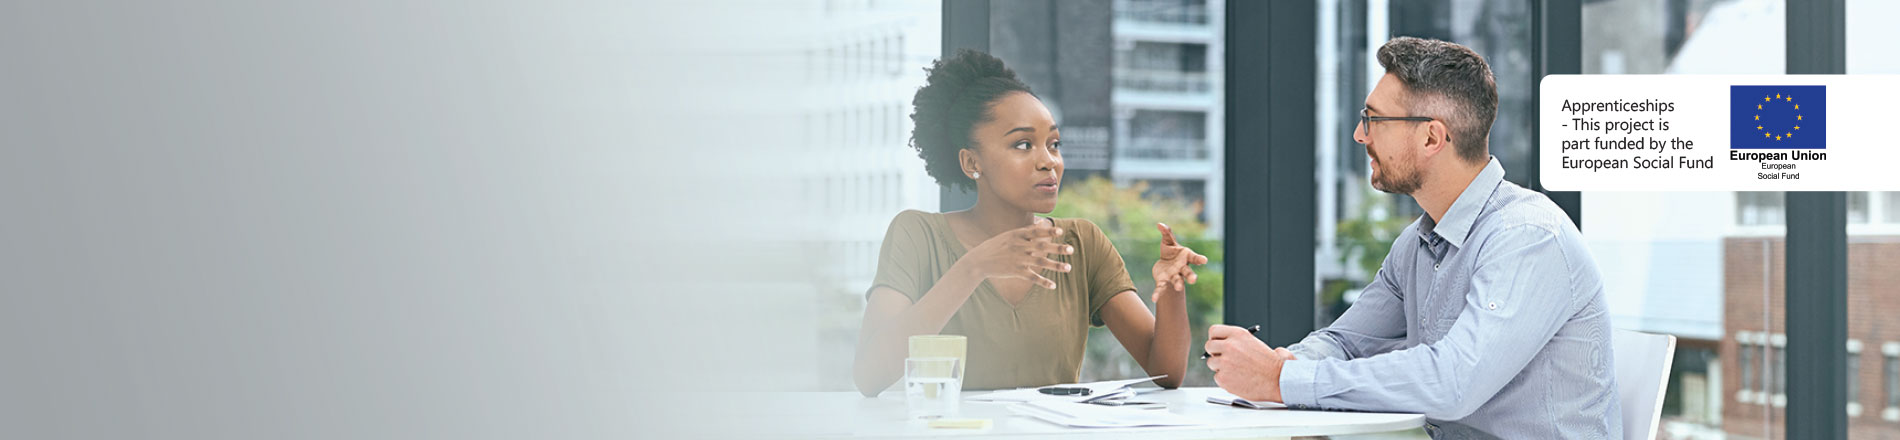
1488, 315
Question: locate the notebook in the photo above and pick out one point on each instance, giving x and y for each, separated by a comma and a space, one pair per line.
1230, 400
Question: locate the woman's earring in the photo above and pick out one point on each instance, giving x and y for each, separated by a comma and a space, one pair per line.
976, 174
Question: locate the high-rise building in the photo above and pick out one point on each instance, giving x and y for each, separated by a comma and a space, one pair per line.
1168, 113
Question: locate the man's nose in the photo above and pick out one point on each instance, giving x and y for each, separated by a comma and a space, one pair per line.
1359, 133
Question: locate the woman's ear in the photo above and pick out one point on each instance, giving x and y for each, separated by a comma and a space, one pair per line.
966, 159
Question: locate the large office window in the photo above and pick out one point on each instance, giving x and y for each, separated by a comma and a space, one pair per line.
1873, 246
1712, 273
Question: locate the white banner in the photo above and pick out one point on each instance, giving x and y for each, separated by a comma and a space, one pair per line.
1720, 132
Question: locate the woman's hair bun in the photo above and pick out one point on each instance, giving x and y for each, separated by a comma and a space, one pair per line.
956, 96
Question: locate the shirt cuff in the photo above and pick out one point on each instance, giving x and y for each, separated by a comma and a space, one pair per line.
1296, 384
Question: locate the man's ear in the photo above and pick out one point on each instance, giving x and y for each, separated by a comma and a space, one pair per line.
1437, 138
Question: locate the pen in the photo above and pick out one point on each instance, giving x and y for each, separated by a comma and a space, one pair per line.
1065, 391
1254, 329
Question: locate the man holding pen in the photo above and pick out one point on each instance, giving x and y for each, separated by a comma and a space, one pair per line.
1488, 316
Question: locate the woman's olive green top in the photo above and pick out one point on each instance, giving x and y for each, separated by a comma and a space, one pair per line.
1036, 342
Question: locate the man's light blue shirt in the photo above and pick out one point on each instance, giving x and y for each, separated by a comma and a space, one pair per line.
1491, 322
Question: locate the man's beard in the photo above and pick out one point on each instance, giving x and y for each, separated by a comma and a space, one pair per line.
1389, 181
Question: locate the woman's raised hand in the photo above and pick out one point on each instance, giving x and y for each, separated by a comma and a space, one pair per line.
1173, 272
1021, 253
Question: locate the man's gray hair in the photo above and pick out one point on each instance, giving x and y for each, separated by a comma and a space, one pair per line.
1449, 82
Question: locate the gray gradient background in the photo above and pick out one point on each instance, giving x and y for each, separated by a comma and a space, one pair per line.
407, 219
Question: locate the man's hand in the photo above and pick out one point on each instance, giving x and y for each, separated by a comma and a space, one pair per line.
1243, 365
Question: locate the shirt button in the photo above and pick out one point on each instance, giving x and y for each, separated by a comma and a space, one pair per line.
1494, 306
1435, 266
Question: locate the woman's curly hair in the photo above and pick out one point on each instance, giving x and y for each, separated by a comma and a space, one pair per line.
956, 96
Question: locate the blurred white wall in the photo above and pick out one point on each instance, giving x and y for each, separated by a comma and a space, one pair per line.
418, 219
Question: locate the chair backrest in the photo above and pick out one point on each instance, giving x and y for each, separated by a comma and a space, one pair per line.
1642, 373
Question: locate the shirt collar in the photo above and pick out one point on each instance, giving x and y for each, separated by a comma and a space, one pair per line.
1456, 225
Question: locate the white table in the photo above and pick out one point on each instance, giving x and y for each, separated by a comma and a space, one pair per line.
851, 415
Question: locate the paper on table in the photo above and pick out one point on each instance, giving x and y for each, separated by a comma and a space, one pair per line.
1082, 415
1109, 389
1230, 400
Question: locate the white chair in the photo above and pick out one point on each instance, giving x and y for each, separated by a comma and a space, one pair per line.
1642, 374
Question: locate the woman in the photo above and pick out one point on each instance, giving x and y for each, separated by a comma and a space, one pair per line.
1023, 289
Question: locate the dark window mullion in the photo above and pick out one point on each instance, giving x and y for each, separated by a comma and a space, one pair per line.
1816, 256
1271, 201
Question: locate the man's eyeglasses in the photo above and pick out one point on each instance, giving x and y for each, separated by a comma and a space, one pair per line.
1366, 119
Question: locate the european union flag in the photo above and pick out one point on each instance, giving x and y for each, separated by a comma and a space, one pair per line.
1777, 117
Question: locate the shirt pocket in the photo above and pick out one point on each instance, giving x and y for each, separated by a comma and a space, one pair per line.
1436, 329
1448, 307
